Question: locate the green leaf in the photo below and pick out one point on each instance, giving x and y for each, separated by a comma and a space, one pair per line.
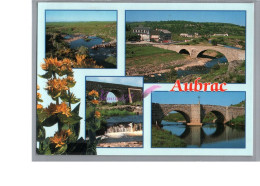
44, 147
61, 150
50, 121
64, 96
74, 100
69, 120
76, 109
41, 115
40, 133
71, 84
47, 75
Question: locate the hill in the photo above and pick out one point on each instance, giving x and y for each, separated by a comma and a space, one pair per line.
177, 27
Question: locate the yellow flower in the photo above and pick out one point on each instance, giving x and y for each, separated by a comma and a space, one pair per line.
68, 132
93, 93
55, 109
97, 114
51, 62
66, 65
94, 101
64, 109
38, 87
39, 95
39, 106
58, 139
57, 85
80, 58
70, 79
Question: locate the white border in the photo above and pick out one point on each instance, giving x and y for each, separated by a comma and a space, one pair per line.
121, 7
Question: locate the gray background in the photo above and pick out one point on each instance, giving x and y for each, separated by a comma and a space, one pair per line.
255, 157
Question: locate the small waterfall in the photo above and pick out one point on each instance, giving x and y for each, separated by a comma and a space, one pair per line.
124, 127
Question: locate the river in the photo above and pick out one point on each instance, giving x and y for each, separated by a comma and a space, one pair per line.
100, 54
193, 70
125, 136
208, 136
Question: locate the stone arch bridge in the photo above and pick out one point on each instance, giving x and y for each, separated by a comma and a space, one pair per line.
124, 93
194, 113
194, 51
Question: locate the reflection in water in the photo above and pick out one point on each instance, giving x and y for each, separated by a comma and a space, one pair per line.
202, 69
99, 55
208, 136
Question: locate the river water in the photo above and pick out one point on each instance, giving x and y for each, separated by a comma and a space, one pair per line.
194, 70
100, 54
123, 136
208, 136
124, 119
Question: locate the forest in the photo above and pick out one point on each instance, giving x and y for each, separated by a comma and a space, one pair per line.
177, 27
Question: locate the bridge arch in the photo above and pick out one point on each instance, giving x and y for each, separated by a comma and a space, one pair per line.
182, 112
118, 94
184, 51
200, 54
219, 114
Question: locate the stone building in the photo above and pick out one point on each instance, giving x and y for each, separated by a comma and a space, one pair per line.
158, 35
165, 35
155, 35
220, 34
143, 32
186, 35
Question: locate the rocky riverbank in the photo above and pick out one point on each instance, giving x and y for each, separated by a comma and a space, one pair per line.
131, 108
122, 139
149, 70
105, 45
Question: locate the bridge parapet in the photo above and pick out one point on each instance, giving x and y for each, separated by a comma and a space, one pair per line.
194, 113
124, 93
194, 50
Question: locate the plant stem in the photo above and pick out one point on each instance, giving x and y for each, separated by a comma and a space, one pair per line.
69, 98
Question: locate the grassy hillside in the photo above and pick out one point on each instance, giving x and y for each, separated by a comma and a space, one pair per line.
241, 104
164, 138
177, 27
105, 30
147, 54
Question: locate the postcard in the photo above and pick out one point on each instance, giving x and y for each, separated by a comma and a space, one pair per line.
162, 79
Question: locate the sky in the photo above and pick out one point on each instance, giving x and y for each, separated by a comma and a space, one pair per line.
132, 81
209, 98
234, 17
79, 16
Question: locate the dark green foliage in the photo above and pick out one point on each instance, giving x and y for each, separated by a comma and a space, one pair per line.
111, 60
175, 117
241, 104
163, 138
172, 75
209, 118
132, 37
82, 50
204, 29
214, 42
215, 67
115, 112
238, 121
218, 40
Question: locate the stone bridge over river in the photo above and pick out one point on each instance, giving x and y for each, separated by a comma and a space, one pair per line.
194, 113
195, 51
123, 93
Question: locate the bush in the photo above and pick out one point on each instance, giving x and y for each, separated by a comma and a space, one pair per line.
216, 67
